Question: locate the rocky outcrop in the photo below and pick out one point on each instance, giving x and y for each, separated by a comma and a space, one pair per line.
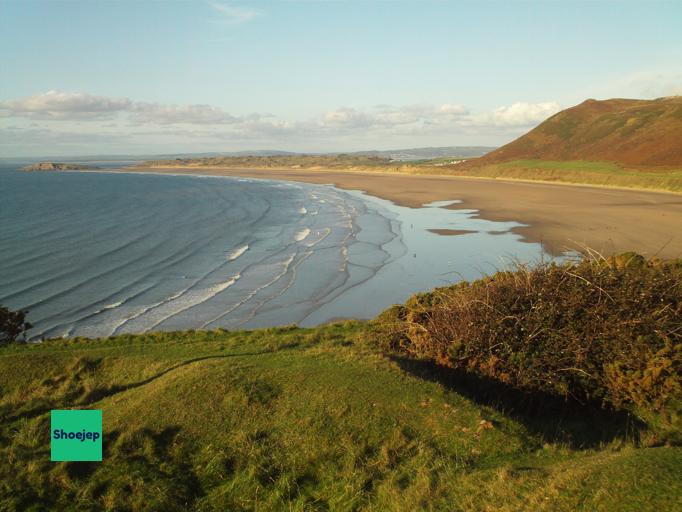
54, 166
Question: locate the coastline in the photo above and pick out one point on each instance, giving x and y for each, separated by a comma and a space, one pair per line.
343, 253
560, 216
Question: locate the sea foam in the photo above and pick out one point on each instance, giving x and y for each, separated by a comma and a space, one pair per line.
237, 253
216, 289
302, 235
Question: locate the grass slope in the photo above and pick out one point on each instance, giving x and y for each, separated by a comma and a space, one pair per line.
599, 173
303, 419
632, 133
614, 143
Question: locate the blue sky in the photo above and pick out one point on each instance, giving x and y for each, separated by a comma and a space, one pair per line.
97, 77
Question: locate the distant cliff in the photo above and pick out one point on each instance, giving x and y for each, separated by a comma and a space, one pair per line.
54, 166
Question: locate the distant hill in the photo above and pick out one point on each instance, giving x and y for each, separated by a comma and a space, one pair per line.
409, 154
630, 133
430, 153
257, 152
425, 153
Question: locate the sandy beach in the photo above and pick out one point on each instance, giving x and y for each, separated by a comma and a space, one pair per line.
560, 216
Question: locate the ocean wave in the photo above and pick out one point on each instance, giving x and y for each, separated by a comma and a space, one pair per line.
237, 253
285, 268
169, 261
78, 272
145, 309
141, 315
216, 289
326, 232
292, 279
344, 255
195, 298
73, 325
189, 299
302, 235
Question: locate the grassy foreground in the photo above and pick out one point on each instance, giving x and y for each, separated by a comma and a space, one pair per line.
304, 419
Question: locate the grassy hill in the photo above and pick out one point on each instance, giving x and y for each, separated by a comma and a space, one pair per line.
629, 133
616, 143
324, 419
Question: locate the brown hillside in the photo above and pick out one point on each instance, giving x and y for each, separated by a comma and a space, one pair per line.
627, 132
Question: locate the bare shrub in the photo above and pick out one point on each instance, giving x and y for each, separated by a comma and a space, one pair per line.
605, 329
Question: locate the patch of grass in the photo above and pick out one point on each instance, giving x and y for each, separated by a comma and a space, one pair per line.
562, 125
579, 172
571, 165
300, 419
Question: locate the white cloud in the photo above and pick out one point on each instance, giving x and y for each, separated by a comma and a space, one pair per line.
455, 110
234, 15
75, 106
64, 105
388, 117
346, 118
524, 114
156, 113
415, 124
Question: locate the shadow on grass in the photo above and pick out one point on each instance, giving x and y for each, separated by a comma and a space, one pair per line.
100, 393
554, 419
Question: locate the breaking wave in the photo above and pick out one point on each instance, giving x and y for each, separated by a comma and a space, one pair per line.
237, 253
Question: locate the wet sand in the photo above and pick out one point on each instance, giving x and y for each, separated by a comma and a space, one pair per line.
451, 232
561, 217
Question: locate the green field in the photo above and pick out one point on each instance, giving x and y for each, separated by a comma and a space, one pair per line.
572, 165
579, 172
304, 419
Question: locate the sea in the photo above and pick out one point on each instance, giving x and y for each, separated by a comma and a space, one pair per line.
103, 253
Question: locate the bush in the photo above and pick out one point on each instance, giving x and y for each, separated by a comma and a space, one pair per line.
12, 324
608, 330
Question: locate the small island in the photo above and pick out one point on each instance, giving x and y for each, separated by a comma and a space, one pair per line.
54, 166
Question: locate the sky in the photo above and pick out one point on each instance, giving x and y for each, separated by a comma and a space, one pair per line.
136, 77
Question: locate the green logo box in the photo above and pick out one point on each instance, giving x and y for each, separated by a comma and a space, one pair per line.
76, 435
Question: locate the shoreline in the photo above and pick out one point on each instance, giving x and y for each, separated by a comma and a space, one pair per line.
560, 216
370, 171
